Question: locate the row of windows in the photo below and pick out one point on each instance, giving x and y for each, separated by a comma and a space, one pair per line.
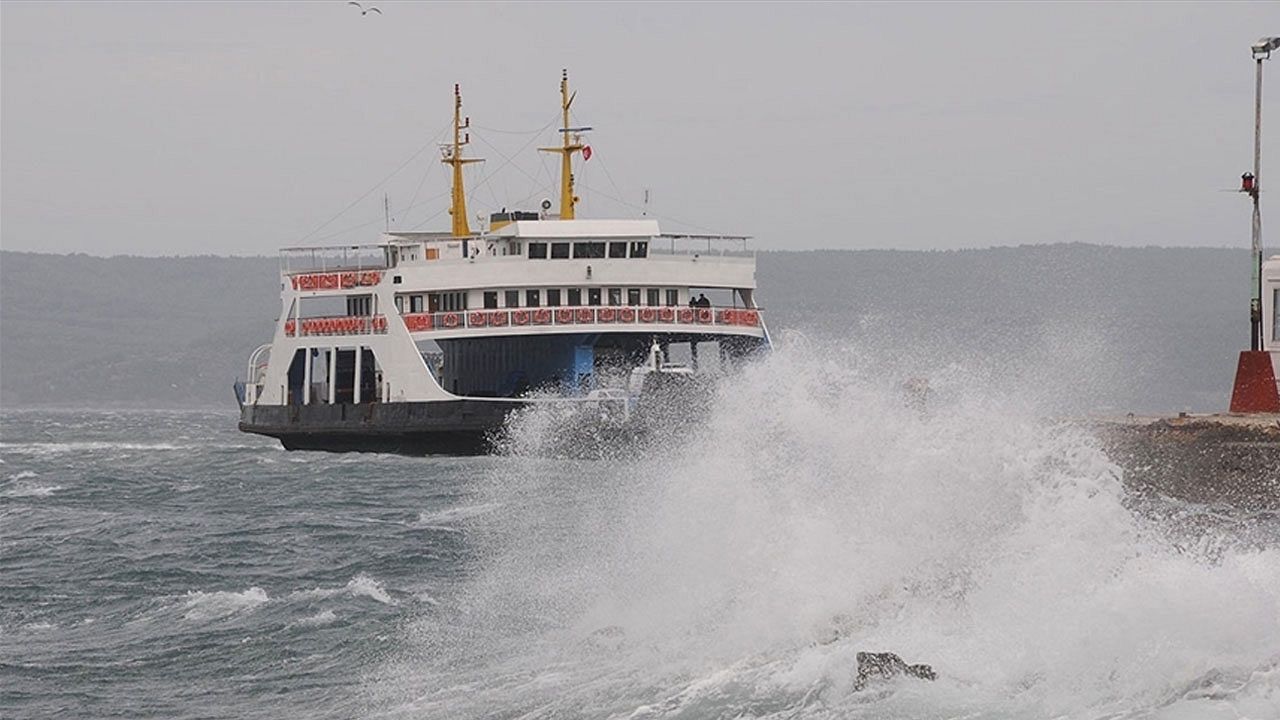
555, 297
588, 250
432, 302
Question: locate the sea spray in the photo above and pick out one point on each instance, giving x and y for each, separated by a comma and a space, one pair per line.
737, 565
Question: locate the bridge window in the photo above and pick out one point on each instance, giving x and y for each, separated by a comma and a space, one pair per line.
593, 296
640, 249
559, 251
360, 305
588, 250
532, 298
653, 296
673, 297
490, 299
617, 250
575, 296
448, 302
615, 296
513, 298
415, 303
538, 251
633, 296
553, 297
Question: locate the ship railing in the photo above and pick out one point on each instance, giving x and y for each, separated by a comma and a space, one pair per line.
257, 372
337, 325
332, 258
597, 315
715, 245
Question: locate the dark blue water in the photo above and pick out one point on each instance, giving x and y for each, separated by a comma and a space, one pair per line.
164, 565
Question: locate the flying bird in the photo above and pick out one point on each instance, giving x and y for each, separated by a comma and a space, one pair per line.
363, 10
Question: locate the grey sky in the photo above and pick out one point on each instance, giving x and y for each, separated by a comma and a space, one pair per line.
192, 128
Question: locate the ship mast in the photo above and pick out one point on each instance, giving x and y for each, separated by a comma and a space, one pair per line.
453, 156
572, 143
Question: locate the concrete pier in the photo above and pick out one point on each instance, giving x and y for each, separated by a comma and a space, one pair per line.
1233, 459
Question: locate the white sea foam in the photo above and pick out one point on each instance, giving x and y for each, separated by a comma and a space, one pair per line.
359, 586
815, 515
452, 518
216, 605
62, 448
364, 586
29, 489
324, 617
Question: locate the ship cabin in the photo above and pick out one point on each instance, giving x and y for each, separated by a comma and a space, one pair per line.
536, 304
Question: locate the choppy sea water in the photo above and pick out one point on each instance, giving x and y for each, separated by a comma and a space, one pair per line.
159, 564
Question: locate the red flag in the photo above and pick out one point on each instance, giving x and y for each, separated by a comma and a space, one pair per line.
586, 152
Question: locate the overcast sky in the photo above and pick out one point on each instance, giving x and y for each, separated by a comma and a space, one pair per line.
194, 128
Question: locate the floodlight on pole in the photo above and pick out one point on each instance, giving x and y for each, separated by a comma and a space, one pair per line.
1255, 386
1253, 186
1262, 49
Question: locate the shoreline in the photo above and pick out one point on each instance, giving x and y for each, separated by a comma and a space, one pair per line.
1209, 458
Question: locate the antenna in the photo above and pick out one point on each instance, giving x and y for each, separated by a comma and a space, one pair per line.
645, 212
386, 211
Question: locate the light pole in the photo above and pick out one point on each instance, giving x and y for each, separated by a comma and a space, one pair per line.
1252, 184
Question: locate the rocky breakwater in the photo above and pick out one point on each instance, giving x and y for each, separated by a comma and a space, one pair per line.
1233, 459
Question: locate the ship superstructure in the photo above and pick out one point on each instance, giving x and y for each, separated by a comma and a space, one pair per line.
423, 342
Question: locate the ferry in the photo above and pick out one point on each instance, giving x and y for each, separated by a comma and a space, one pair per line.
425, 342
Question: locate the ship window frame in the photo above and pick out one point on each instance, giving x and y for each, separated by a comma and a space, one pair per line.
560, 251
415, 303
615, 297
593, 296
511, 298
533, 298
653, 297
1275, 315
359, 305
490, 299
673, 297
538, 251
633, 297
588, 250
640, 249
575, 297
553, 297
399, 304
618, 250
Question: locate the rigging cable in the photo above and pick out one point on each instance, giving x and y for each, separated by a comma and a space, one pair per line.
511, 160
653, 214
424, 201
371, 190
508, 160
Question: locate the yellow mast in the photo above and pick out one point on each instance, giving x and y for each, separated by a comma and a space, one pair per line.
572, 144
453, 157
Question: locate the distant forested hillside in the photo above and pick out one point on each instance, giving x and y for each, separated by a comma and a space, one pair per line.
1092, 327
127, 331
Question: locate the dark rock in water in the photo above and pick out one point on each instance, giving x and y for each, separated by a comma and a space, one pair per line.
610, 637
873, 667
